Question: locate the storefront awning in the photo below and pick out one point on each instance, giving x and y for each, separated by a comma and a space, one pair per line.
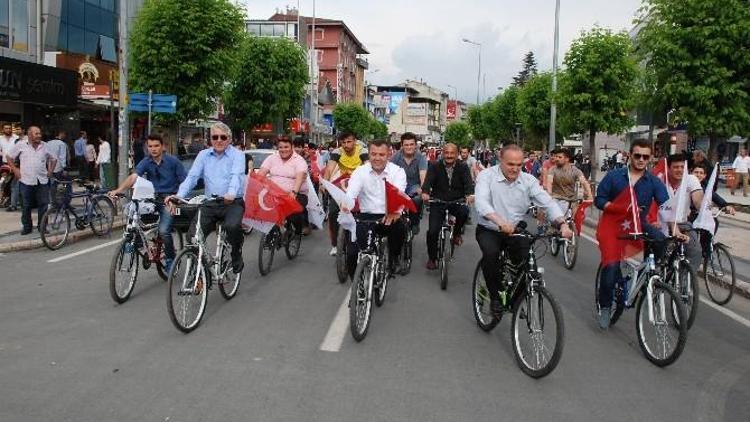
33, 83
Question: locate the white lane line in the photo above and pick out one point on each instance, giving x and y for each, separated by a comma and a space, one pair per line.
84, 251
340, 324
736, 317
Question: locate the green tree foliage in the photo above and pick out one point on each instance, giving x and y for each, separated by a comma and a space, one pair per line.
351, 117
269, 84
459, 133
378, 130
478, 122
503, 115
599, 86
529, 70
186, 48
699, 54
533, 110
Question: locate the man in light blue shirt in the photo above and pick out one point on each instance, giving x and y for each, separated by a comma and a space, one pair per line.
59, 149
222, 168
79, 148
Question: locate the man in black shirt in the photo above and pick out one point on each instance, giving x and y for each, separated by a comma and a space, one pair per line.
448, 180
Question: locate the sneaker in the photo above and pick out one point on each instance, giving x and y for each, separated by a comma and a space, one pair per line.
431, 265
604, 315
24, 232
12, 209
237, 266
333, 251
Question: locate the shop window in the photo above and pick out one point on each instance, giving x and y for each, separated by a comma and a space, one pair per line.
20, 25
4, 23
253, 29
75, 13
279, 29
76, 40
266, 30
107, 51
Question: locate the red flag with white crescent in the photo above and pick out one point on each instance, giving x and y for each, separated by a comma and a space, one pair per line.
621, 218
267, 204
396, 200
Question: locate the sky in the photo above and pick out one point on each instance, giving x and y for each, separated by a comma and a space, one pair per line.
421, 39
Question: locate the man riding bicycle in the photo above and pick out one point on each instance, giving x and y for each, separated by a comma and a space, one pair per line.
166, 173
288, 169
415, 167
447, 180
562, 181
503, 195
368, 187
222, 168
341, 163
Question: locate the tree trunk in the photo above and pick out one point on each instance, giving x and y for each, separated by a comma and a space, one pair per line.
712, 144
593, 154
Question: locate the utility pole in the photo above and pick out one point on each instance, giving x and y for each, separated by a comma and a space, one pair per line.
553, 105
479, 67
124, 127
313, 79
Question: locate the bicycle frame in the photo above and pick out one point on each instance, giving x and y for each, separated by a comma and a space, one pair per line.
199, 240
143, 231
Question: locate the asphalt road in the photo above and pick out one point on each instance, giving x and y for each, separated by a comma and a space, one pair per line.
68, 353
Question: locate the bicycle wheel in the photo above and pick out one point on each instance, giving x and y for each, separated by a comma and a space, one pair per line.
229, 282
360, 304
538, 332
619, 299
266, 250
480, 299
406, 255
123, 272
381, 278
161, 263
101, 215
663, 339
718, 275
293, 243
342, 242
554, 246
688, 291
444, 260
187, 291
570, 251
55, 228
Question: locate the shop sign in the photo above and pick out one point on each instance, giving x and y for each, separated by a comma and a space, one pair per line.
36, 84
91, 91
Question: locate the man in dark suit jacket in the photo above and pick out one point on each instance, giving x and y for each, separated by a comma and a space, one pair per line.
448, 180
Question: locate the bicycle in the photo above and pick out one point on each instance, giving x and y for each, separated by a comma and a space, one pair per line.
407, 249
680, 275
446, 248
569, 246
275, 239
718, 270
194, 271
655, 301
342, 242
370, 281
534, 309
141, 245
97, 212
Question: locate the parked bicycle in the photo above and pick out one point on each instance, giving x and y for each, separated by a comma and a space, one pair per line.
370, 280
659, 309
446, 248
195, 270
141, 245
275, 239
97, 212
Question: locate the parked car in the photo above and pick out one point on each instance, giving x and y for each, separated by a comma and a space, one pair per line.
255, 157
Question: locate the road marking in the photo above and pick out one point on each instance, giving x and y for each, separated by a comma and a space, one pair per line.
736, 317
340, 324
84, 251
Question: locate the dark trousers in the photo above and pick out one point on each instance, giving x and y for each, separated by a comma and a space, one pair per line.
33, 195
492, 243
231, 215
299, 220
395, 233
83, 167
333, 224
415, 218
437, 216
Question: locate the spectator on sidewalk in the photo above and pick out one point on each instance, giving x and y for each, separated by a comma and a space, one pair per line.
36, 165
104, 161
59, 149
7, 140
15, 189
79, 149
90, 161
741, 165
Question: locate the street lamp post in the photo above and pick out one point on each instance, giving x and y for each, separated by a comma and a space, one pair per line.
479, 67
553, 105
455, 91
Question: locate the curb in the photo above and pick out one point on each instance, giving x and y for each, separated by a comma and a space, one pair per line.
74, 237
742, 287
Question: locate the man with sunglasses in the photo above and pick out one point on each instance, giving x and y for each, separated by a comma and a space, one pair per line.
222, 168
166, 173
647, 188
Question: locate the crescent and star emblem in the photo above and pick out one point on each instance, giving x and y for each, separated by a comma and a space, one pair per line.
262, 200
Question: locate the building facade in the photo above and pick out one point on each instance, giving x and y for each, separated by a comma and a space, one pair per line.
413, 106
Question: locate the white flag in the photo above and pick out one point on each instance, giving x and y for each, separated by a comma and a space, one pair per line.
346, 219
705, 219
315, 212
675, 211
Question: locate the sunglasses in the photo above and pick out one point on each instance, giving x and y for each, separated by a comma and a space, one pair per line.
217, 137
641, 156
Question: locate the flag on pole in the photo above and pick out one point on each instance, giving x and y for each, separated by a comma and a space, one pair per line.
675, 210
345, 219
315, 212
705, 219
396, 200
580, 215
660, 171
267, 204
621, 218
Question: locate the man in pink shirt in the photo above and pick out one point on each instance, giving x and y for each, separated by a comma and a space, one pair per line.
289, 170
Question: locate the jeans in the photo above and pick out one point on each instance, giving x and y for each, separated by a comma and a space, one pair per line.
104, 175
492, 243
33, 194
395, 233
437, 216
165, 229
231, 215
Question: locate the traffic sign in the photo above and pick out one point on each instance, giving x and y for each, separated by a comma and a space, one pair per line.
159, 103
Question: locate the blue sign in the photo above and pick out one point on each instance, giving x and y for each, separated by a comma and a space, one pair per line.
160, 103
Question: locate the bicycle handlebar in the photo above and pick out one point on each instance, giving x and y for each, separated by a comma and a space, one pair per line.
440, 201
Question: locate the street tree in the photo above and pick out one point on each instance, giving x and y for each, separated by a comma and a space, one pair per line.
478, 122
186, 48
503, 115
528, 71
533, 110
599, 85
378, 129
351, 117
269, 84
699, 54
459, 133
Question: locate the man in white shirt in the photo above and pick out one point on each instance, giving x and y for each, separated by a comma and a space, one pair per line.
7, 140
103, 160
367, 186
676, 163
741, 165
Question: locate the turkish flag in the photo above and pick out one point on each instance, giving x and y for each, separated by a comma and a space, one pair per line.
621, 218
396, 200
580, 215
267, 204
660, 171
